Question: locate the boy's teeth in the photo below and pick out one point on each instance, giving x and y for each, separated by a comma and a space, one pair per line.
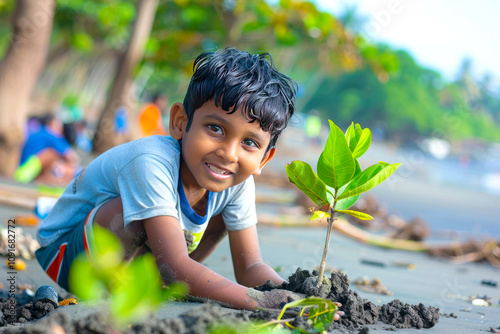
217, 170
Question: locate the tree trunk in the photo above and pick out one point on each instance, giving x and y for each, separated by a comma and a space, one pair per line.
105, 137
19, 72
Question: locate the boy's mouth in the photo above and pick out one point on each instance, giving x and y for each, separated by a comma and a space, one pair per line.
218, 170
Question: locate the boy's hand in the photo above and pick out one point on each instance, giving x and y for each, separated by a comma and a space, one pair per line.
275, 298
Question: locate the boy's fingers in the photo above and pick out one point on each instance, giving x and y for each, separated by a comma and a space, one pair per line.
338, 315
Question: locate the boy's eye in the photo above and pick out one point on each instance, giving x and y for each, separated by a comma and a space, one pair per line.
250, 142
214, 128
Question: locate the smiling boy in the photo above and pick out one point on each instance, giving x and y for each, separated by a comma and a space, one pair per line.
179, 195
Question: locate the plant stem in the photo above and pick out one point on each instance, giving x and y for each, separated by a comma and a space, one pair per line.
330, 221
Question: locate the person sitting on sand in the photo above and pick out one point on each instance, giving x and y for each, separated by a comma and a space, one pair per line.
179, 195
47, 156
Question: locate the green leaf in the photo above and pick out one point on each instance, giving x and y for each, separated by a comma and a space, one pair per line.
336, 165
358, 169
346, 203
321, 317
321, 314
356, 214
84, 280
363, 144
302, 175
319, 215
175, 291
358, 139
368, 179
107, 250
358, 131
138, 291
351, 137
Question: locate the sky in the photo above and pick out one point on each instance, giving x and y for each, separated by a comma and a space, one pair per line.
439, 34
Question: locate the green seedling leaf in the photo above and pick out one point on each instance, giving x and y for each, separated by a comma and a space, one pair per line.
107, 251
358, 131
84, 280
346, 203
336, 165
321, 317
363, 144
135, 288
351, 137
368, 179
321, 314
358, 169
139, 292
358, 139
319, 215
175, 291
356, 214
302, 175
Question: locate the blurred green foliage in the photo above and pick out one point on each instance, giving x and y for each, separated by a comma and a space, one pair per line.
134, 288
413, 102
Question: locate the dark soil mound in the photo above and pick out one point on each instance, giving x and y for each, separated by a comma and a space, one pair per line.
22, 308
358, 312
202, 319
13, 312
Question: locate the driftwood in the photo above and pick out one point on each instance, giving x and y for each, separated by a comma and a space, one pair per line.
345, 228
470, 251
456, 252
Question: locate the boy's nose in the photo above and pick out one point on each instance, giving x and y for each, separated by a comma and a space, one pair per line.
229, 151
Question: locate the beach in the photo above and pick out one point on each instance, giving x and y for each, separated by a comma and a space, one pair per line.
412, 277
431, 281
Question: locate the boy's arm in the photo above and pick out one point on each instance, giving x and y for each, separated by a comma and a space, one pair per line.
249, 268
169, 248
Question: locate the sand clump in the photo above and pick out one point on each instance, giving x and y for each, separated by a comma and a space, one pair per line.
202, 319
22, 309
358, 312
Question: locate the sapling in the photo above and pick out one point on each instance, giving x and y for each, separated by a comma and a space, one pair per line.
339, 180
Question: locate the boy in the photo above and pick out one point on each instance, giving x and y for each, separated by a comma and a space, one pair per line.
178, 196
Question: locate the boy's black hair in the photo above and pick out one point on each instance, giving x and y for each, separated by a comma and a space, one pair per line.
236, 79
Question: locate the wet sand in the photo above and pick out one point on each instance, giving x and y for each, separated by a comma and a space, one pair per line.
433, 282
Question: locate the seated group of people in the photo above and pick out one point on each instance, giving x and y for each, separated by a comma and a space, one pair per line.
47, 156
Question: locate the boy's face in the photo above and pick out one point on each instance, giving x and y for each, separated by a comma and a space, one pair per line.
220, 150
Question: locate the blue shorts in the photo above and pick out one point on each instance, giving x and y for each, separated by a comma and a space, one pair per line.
56, 258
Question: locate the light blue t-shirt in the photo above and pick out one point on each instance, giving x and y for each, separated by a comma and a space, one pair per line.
145, 173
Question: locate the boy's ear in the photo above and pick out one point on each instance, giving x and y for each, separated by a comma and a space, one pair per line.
178, 120
267, 157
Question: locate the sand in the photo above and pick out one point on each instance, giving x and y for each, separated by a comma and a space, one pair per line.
433, 282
